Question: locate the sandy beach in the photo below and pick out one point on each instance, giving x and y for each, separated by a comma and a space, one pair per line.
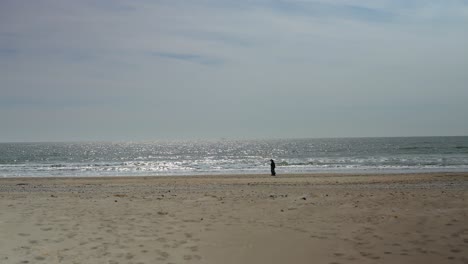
328, 218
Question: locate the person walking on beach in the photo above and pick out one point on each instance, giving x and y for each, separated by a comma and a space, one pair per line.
272, 166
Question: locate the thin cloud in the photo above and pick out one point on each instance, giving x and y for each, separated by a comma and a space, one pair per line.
117, 6
8, 52
332, 10
195, 58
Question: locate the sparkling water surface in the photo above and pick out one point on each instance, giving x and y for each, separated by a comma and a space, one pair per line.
348, 155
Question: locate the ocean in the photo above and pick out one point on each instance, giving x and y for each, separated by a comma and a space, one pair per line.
156, 158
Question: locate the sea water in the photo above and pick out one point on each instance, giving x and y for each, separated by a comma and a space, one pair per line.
345, 155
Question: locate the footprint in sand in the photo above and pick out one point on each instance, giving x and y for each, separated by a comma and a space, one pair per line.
190, 257
163, 254
162, 239
39, 258
193, 248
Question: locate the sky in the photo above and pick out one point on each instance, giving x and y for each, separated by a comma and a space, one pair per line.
116, 70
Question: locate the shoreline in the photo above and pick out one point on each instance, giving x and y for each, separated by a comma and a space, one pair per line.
335, 179
256, 173
265, 174
265, 171
294, 218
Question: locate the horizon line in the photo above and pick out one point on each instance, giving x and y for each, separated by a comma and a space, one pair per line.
218, 139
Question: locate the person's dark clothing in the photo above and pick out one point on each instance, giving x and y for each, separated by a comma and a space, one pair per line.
272, 165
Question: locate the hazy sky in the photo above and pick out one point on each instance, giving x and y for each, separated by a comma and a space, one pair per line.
170, 69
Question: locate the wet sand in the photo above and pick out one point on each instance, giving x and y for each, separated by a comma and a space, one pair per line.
331, 218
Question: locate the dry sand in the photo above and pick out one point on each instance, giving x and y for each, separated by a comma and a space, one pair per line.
415, 218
